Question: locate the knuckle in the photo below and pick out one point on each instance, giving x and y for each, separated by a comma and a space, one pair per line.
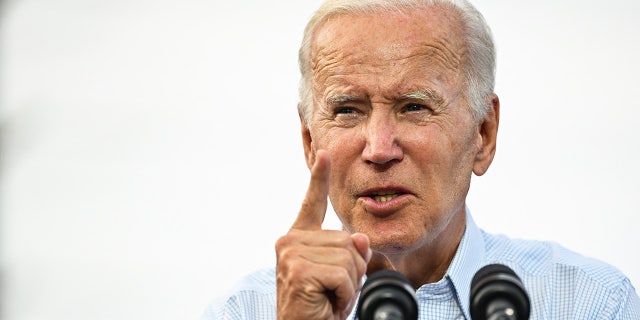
344, 257
286, 250
342, 274
289, 239
295, 270
343, 239
290, 272
282, 242
286, 254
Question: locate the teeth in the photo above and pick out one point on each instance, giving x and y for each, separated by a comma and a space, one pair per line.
386, 193
384, 198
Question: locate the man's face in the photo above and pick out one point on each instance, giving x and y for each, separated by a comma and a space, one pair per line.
390, 109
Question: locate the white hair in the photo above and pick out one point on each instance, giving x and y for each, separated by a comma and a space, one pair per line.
479, 67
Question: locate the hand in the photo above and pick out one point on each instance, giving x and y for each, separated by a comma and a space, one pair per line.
319, 271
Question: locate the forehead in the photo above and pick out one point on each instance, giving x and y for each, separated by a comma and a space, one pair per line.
429, 37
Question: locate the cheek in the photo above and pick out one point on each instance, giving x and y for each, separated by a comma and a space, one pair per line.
442, 164
427, 149
343, 158
343, 146
344, 153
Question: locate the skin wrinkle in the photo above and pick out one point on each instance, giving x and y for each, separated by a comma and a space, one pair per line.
327, 67
440, 49
440, 117
328, 63
337, 94
449, 17
425, 96
444, 57
451, 56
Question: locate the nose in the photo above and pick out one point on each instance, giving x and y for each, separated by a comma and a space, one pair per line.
381, 140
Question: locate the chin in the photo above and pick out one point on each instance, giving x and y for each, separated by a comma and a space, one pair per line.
397, 242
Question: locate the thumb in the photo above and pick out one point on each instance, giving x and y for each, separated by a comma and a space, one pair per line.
361, 242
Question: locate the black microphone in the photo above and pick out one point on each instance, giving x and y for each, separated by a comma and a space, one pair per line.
498, 294
387, 295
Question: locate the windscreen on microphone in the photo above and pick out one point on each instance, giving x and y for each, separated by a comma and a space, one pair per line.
498, 293
387, 295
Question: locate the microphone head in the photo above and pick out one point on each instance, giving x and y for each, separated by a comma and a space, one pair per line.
387, 292
497, 285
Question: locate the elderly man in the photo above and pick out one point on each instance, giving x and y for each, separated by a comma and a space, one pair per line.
398, 111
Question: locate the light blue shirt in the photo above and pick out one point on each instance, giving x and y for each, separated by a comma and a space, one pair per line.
561, 284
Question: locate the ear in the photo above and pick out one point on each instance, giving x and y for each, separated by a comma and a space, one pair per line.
307, 143
488, 133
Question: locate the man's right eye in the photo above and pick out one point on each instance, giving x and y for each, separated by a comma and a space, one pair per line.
347, 117
345, 110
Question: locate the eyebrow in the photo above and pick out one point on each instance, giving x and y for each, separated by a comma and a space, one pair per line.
340, 98
426, 95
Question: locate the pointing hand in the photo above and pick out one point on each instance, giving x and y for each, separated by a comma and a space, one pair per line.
319, 271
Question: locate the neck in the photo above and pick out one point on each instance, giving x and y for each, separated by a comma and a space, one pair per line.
429, 262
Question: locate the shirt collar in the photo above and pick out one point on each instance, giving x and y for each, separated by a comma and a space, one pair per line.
469, 258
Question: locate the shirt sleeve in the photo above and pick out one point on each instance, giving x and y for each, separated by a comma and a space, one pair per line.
216, 310
254, 297
629, 307
241, 305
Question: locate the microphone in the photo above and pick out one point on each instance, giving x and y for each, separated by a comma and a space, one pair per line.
387, 295
498, 294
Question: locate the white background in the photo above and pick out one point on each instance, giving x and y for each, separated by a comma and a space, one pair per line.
151, 153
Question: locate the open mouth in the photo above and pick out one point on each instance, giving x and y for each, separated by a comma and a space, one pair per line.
384, 196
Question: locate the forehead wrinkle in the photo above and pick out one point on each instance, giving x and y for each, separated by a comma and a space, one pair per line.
333, 60
440, 50
328, 59
336, 66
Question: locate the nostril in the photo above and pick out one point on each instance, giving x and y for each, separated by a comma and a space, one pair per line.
382, 154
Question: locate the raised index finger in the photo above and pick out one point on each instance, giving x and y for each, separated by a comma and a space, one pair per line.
314, 205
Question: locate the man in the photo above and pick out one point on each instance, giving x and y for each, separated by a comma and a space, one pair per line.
398, 111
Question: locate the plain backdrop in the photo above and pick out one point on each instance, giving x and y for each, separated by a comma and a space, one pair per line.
151, 155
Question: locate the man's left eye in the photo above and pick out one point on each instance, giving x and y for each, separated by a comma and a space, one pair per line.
415, 107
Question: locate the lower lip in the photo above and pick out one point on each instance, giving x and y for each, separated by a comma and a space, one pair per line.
384, 209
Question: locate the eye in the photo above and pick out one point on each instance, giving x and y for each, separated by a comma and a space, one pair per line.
345, 110
412, 107
346, 116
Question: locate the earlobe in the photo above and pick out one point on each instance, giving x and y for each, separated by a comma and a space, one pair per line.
488, 135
